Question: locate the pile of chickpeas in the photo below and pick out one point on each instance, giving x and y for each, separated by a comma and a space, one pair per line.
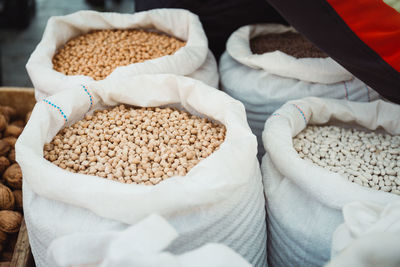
135, 145
98, 53
367, 158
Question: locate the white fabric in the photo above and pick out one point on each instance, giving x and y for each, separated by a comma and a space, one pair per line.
373, 250
317, 70
362, 219
254, 81
304, 201
219, 200
369, 236
193, 60
138, 245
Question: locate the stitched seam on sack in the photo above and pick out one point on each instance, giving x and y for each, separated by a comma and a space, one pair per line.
89, 94
56, 107
369, 99
301, 112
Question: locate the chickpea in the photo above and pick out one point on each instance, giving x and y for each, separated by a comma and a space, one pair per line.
98, 53
147, 148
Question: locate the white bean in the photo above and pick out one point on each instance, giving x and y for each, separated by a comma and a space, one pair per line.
366, 158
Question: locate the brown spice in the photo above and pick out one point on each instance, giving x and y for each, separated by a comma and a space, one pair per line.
290, 43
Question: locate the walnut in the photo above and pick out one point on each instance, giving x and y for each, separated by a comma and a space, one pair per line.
3, 122
13, 130
11, 140
10, 221
13, 176
11, 155
4, 164
18, 199
6, 198
4, 148
19, 123
8, 112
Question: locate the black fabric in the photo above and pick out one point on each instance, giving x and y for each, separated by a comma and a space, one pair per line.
16, 13
219, 17
319, 22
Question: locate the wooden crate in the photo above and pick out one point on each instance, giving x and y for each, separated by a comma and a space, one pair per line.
23, 100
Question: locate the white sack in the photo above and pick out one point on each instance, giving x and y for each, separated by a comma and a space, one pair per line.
304, 201
373, 250
317, 70
220, 200
263, 83
140, 245
193, 60
366, 235
361, 233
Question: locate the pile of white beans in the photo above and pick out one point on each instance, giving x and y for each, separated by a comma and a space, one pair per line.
367, 158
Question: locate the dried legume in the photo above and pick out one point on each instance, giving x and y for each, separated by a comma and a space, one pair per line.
135, 145
367, 158
98, 53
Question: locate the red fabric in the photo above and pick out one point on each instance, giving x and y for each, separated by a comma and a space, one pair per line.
375, 23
